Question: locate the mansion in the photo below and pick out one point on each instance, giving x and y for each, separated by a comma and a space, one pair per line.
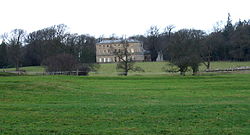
105, 51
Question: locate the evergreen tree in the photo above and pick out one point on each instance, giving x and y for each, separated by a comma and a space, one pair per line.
227, 33
240, 41
3, 55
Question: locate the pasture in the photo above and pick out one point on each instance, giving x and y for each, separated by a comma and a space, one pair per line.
207, 105
151, 68
157, 68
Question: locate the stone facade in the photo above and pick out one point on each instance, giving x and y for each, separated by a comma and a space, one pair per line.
105, 49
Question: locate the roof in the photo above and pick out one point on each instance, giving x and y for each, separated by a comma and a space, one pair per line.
118, 41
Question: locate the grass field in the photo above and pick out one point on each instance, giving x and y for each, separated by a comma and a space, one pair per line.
151, 68
205, 105
29, 69
156, 68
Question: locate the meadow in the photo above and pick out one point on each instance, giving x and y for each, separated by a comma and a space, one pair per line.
151, 68
158, 68
210, 104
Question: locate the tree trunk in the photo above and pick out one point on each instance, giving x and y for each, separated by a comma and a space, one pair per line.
195, 69
208, 61
182, 73
126, 73
126, 69
208, 65
17, 66
194, 72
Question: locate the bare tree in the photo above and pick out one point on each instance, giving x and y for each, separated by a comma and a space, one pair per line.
164, 41
184, 50
3, 55
15, 41
152, 42
126, 62
60, 63
210, 44
169, 29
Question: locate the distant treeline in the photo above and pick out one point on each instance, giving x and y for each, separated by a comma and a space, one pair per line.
230, 43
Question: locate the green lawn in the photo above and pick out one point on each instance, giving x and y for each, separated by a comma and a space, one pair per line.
156, 68
205, 105
151, 68
7, 74
29, 69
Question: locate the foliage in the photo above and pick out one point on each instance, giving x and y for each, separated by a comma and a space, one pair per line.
82, 46
230, 43
55, 40
152, 43
184, 49
3, 55
15, 42
240, 41
84, 69
209, 47
68, 63
60, 62
44, 43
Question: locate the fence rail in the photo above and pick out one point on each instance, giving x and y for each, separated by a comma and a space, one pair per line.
49, 73
22, 72
229, 69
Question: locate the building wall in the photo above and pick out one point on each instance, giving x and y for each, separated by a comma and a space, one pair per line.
104, 52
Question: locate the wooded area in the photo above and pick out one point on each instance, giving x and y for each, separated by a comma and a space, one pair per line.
183, 48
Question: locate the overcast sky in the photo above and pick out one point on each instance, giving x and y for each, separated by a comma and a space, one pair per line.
122, 17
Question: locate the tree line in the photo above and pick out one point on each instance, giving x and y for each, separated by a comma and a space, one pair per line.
52, 47
183, 48
188, 48
230, 43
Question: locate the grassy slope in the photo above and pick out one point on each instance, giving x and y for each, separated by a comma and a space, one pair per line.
151, 68
156, 67
7, 74
29, 69
125, 105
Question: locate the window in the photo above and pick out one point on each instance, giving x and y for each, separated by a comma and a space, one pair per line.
109, 60
124, 58
132, 50
100, 59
